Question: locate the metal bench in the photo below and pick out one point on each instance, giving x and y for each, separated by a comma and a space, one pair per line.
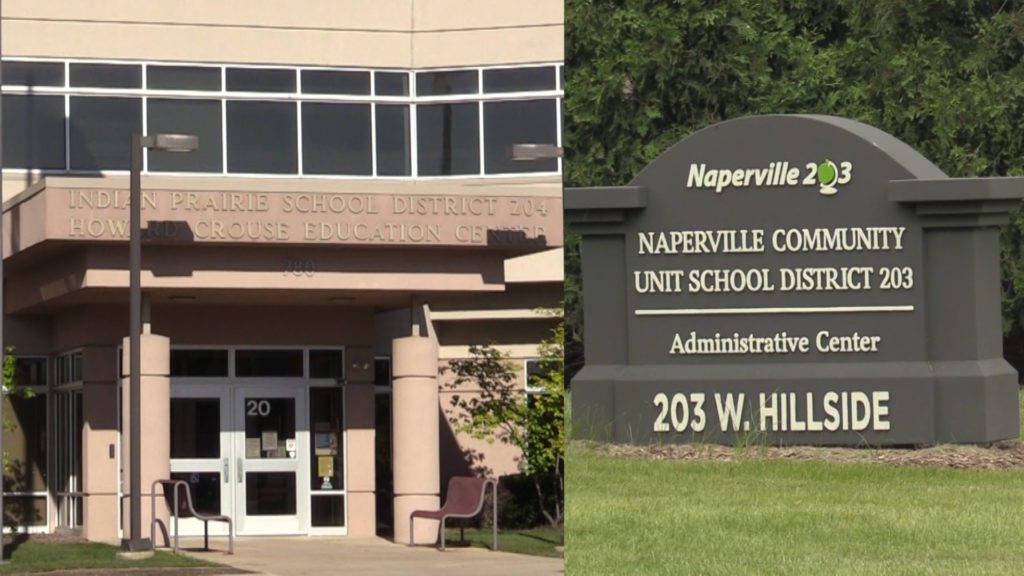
465, 499
182, 508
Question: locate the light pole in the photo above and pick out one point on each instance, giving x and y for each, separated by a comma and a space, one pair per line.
168, 143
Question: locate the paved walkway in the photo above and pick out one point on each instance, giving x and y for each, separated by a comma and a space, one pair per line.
371, 556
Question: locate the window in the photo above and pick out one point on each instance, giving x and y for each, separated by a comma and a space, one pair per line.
68, 368
260, 80
106, 75
101, 130
335, 82
336, 139
195, 428
519, 79
391, 83
33, 131
33, 73
262, 137
199, 117
449, 139
444, 83
518, 122
393, 141
183, 78
327, 364
269, 363
199, 362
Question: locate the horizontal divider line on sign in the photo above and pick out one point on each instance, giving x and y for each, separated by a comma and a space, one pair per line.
791, 310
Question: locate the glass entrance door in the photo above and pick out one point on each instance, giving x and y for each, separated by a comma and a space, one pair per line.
271, 447
201, 452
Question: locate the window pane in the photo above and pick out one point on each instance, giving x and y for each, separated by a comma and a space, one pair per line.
448, 139
326, 364
260, 80
391, 83
25, 510
198, 117
200, 362
30, 371
327, 460
519, 79
382, 371
262, 137
182, 78
106, 75
268, 363
205, 490
33, 131
33, 73
336, 139
101, 130
335, 82
25, 445
327, 511
269, 425
441, 83
519, 122
195, 428
393, 156
269, 493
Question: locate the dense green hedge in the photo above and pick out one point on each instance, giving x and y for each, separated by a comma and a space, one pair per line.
945, 76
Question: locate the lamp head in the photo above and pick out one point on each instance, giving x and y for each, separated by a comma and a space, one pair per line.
535, 151
171, 142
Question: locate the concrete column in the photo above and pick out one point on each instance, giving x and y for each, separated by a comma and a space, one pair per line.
156, 425
100, 474
416, 449
361, 458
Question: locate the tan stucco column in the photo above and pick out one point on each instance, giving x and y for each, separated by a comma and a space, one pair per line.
361, 438
416, 446
99, 443
156, 425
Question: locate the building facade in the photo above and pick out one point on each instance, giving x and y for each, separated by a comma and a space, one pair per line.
351, 220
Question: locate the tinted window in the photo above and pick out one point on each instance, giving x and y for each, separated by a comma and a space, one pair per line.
260, 80
106, 75
33, 131
336, 139
262, 137
326, 364
519, 79
335, 82
520, 122
268, 363
182, 78
33, 73
198, 117
448, 139
101, 130
199, 362
441, 83
195, 428
391, 83
393, 156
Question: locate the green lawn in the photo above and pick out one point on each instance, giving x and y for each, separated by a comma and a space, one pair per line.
536, 541
759, 516
39, 556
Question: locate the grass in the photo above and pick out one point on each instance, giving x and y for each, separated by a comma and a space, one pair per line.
37, 556
758, 516
535, 541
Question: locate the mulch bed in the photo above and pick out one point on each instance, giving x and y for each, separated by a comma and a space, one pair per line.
999, 456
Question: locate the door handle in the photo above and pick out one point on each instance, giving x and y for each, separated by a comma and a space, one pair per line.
227, 470
241, 474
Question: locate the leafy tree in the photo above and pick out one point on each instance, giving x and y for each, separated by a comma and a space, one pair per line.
11, 388
945, 76
502, 411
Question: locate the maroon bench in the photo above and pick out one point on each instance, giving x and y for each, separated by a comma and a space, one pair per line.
465, 499
178, 497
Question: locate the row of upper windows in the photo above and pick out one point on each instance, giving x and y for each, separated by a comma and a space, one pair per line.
68, 129
313, 81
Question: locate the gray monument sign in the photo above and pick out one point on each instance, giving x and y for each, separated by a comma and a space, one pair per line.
804, 279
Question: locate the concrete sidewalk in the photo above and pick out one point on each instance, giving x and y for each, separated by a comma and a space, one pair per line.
370, 556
